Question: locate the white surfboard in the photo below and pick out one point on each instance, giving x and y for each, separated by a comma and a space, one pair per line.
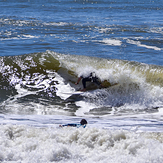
78, 92
73, 93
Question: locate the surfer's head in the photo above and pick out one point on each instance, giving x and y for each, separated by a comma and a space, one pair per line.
83, 122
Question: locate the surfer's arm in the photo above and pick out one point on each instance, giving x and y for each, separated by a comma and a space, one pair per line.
73, 125
78, 80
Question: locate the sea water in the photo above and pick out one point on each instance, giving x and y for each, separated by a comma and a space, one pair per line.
46, 45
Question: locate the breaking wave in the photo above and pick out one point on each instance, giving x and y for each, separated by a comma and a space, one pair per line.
34, 83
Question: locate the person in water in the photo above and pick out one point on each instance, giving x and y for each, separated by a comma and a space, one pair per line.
83, 123
91, 78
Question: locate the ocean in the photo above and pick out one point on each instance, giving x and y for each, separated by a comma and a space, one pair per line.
46, 45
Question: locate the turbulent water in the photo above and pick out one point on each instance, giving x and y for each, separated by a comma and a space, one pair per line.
46, 45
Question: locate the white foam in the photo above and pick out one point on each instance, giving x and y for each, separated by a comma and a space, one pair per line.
30, 36
157, 30
21, 143
56, 23
112, 42
84, 108
138, 43
104, 30
62, 88
20, 37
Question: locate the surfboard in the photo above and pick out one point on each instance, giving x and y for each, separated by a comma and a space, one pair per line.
73, 93
90, 87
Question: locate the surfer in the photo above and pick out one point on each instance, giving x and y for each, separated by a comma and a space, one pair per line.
91, 78
83, 123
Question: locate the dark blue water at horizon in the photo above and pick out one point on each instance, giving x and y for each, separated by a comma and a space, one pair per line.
123, 29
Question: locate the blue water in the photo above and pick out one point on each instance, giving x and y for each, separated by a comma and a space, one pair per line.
82, 28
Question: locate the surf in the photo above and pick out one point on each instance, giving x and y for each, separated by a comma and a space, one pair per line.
44, 78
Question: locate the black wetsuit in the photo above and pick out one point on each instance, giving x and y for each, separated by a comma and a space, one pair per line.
74, 125
90, 78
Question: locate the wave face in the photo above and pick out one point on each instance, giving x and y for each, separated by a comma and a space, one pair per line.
37, 84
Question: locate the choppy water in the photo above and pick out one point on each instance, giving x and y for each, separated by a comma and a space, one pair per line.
46, 45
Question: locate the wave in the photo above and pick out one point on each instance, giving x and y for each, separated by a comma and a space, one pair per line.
42, 77
76, 145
